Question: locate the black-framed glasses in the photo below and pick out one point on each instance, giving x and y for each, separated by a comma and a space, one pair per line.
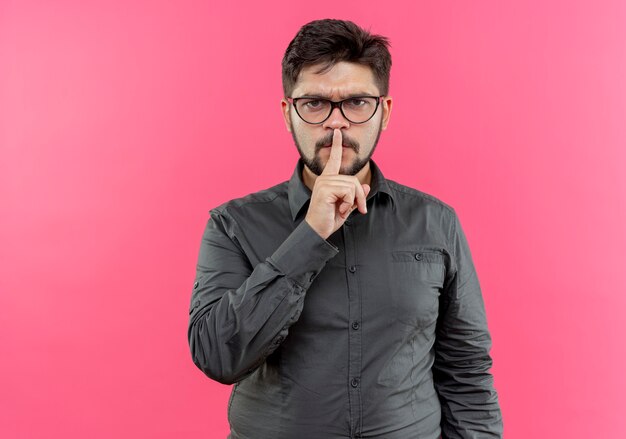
315, 110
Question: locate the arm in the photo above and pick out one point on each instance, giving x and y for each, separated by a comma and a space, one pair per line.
240, 314
469, 402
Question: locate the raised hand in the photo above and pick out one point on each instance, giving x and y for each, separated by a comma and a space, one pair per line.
334, 195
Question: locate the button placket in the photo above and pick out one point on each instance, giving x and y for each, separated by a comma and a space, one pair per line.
351, 242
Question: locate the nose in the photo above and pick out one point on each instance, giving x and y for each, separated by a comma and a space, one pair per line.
336, 120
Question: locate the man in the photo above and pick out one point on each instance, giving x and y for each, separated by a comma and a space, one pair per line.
342, 304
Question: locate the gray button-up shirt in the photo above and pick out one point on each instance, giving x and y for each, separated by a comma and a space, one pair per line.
377, 332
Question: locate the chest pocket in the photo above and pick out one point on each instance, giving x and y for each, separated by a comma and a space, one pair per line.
417, 277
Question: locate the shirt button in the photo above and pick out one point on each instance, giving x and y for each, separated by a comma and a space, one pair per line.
195, 285
418, 256
355, 325
352, 269
354, 382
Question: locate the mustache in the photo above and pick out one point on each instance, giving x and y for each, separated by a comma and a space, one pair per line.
328, 140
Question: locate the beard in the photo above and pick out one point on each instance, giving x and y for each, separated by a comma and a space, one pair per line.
315, 163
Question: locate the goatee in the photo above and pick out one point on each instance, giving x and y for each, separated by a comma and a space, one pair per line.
315, 164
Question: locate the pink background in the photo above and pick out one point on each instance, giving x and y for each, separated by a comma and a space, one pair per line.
122, 124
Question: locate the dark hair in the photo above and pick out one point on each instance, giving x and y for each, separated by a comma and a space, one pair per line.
330, 41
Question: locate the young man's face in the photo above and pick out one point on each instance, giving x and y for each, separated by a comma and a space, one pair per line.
344, 79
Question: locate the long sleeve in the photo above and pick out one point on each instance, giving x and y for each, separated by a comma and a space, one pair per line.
240, 314
461, 371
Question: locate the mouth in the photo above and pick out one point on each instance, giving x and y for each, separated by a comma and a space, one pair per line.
328, 146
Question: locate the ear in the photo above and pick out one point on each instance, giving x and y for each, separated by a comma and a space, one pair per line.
386, 102
285, 108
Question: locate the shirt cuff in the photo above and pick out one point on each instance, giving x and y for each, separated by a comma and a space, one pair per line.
303, 255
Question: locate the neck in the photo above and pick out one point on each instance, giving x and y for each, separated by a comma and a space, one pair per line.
364, 176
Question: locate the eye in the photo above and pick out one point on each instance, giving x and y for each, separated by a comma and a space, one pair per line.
312, 104
356, 102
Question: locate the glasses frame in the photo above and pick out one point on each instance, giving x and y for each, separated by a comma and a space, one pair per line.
333, 105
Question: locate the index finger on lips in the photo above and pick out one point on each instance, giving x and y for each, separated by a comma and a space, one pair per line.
334, 160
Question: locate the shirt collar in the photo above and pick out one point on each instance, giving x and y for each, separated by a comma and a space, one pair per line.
299, 194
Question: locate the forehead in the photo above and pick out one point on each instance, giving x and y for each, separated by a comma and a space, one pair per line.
342, 80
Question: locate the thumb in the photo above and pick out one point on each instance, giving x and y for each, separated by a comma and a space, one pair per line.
366, 189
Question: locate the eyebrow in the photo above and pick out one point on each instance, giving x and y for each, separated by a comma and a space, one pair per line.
347, 96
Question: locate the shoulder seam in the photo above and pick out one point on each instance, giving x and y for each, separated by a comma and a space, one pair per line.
242, 201
416, 192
